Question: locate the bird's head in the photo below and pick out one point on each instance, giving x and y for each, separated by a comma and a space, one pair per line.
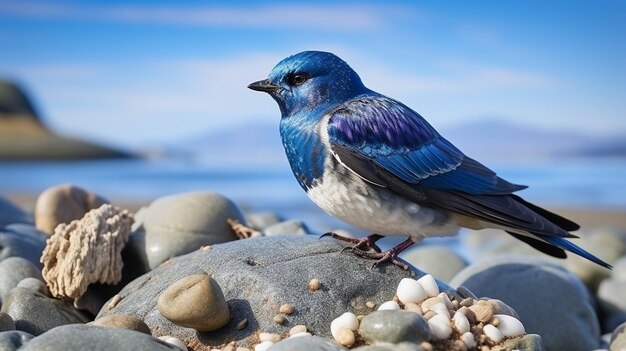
310, 80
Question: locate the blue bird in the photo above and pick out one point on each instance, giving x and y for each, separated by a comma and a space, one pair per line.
373, 162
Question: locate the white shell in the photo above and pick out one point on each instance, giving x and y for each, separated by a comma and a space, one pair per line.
410, 290
461, 322
347, 320
510, 326
389, 305
173, 341
493, 333
440, 308
468, 340
440, 326
297, 335
264, 346
429, 284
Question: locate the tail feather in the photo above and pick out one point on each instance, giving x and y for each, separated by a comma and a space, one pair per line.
541, 245
566, 245
562, 222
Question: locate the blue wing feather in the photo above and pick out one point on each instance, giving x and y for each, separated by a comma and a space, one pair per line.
398, 140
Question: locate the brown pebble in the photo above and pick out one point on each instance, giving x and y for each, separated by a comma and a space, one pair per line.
114, 301
315, 284
456, 304
459, 345
242, 324
206, 248
370, 304
467, 302
426, 346
345, 337
286, 308
495, 322
483, 310
279, 319
426, 304
269, 337
413, 307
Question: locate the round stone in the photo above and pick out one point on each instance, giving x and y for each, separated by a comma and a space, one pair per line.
122, 321
34, 284
394, 327
195, 302
12, 271
6, 322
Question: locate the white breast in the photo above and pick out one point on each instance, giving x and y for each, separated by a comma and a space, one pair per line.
345, 195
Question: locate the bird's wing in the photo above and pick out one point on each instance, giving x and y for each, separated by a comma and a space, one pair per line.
390, 145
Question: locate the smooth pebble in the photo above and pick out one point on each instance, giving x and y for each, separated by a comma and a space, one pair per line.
297, 329
286, 308
315, 284
263, 337
429, 284
389, 305
173, 341
493, 333
297, 335
410, 290
346, 320
345, 337
461, 322
468, 340
509, 326
440, 308
264, 346
440, 326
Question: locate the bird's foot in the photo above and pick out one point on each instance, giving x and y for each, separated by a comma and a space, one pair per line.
364, 244
387, 256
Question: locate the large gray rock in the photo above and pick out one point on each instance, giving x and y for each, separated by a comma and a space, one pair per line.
10, 213
36, 313
22, 240
440, 261
78, 337
549, 300
394, 327
259, 275
12, 271
178, 224
13, 340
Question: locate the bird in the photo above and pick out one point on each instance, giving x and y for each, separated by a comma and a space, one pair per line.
375, 163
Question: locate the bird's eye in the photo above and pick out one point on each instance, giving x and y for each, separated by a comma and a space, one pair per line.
298, 79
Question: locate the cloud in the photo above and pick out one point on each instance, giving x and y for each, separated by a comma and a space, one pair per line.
330, 17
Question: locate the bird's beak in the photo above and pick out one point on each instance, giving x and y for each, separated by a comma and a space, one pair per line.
264, 85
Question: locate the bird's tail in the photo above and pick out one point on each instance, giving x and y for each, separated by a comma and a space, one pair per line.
566, 245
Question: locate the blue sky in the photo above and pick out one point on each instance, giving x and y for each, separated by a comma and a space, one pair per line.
138, 73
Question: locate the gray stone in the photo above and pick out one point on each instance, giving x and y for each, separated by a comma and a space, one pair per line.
618, 338
394, 327
63, 204
549, 300
34, 284
178, 224
36, 313
259, 275
12, 271
13, 340
10, 213
384, 346
288, 227
22, 240
78, 337
440, 261
528, 342
309, 343
262, 220
6, 322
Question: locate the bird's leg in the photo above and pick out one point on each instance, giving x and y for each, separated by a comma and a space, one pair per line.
369, 242
388, 255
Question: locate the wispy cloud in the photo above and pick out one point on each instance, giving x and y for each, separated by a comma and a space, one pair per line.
328, 16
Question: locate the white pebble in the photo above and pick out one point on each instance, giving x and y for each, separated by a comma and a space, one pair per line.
269, 337
429, 284
297, 335
173, 341
440, 308
440, 326
297, 329
461, 322
510, 326
264, 346
410, 290
468, 340
347, 320
389, 305
445, 299
493, 333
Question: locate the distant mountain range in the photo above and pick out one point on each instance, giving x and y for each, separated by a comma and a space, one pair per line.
258, 144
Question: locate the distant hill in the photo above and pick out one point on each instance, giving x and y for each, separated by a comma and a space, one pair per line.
490, 140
